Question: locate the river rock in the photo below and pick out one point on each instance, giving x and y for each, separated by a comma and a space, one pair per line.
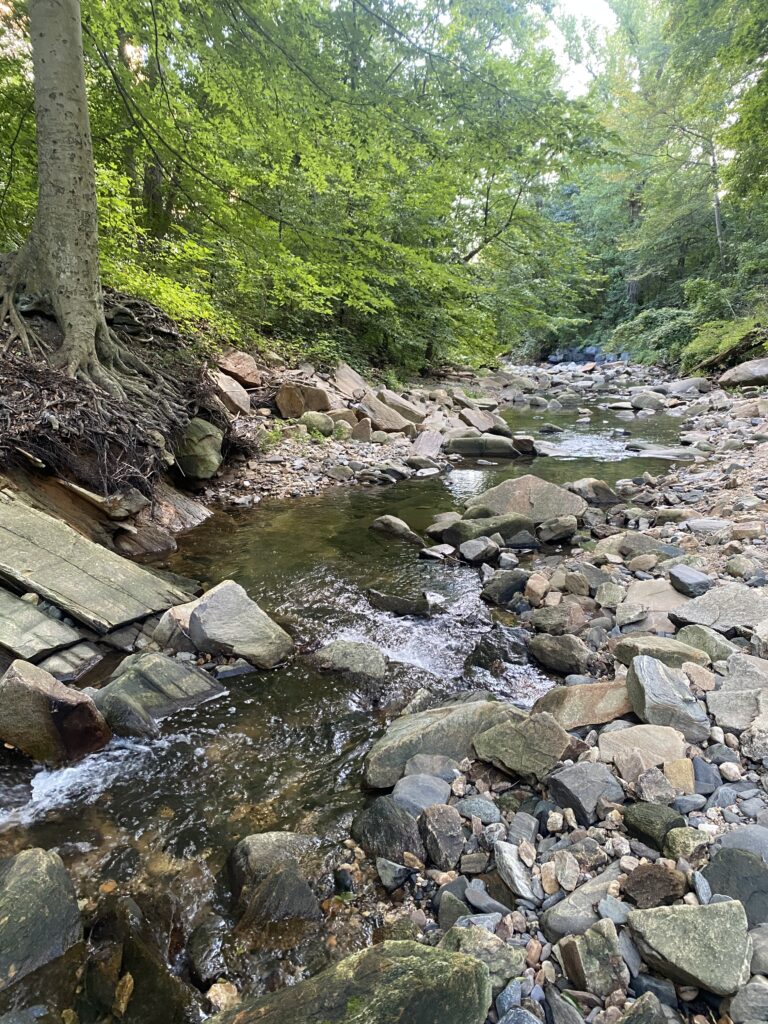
595, 492
661, 648
233, 395
395, 527
593, 960
241, 366
443, 835
730, 609
577, 912
283, 899
751, 1002
507, 527
689, 581
29, 633
708, 640
392, 981
753, 838
484, 445
568, 617
481, 549
415, 792
661, 696
565, 654
385, 830
500, 646
746, 672
255, 856
655, 885
530, 747
503, 586
529, 496
146, 688
736, 710
651, 822
226, 621
293, 400
318, 423
753, 371
425, 604
447, 730
47, 720
39, 916
198, 452
513, 872
581, 786
360, 660
382, 417
585, 704
502, 961
655, 744
743, 876
707, 947
408, 410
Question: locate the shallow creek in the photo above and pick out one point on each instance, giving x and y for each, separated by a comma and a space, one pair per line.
284, 749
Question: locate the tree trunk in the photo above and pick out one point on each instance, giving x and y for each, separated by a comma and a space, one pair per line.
60, 259
719, 231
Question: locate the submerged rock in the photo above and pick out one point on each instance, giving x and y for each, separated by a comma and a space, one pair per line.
39, 916
361, 660
393, 981
255, 856
47, 720
149, 687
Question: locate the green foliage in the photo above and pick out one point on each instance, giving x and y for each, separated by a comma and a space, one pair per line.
718, 337
655, 335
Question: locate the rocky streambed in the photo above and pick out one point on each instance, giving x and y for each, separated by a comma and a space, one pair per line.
485, 744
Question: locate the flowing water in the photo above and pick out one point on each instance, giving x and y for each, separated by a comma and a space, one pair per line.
284, 749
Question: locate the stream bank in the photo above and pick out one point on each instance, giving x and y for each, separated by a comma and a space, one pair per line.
152, 821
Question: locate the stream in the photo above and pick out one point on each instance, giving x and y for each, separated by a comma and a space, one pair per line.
284, 749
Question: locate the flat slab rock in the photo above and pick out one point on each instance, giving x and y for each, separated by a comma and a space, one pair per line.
90, 583
529, 496
29, 633
729, 609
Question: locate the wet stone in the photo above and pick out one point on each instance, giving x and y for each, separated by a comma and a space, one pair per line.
442, 834
415, 792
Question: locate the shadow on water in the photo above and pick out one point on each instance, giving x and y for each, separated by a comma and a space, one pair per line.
284, 749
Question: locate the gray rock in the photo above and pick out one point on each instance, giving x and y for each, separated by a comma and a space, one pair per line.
593, 961
581, 786
28, 633
447, 730
661, 696
753, 838
226, 621
395, 527
707, 640
759, 937
47, 720
385, 830
479, 807
443, 835
707, 947
39, 916
741, 876
148, 687
689, 581
513, 872
317, 423
350, 657
728, 609
751, 1002
283, 897
392, 876
481, 549
527, 495
523, 828
754, 371
576, 913
563, 654
530, 747
432, 764
664, 649
415, 792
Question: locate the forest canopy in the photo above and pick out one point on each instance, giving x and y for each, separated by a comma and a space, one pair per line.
406, 183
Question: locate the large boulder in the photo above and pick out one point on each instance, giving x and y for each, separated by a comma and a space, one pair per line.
148, 687
226, 621
661, 696
653, 744
448, 730
401, 405
503, 962
754, 371
242, 366
381, 415
529, 496
198, 453
39, 916
661, 648
232, 394
507, 526
47, 720
732, 609
293, 400
707, 947
393, 981
484, 444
